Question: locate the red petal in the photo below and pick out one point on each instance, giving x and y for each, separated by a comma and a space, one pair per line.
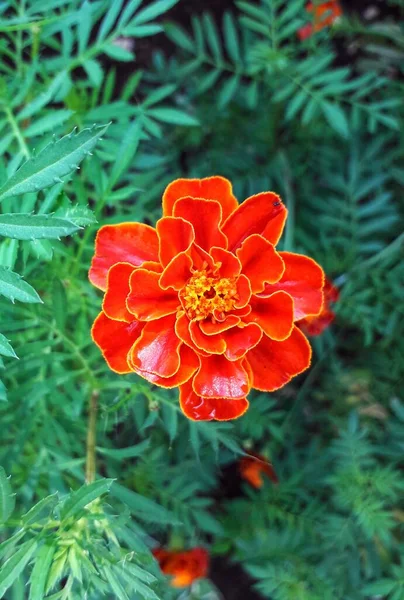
210, 188
221, 378
175, 236
240, 340
263, 214
204, 216
313, 326
260, 262
127, 242
212, 344
303, 279
205, 409
230, 265
210, 328
151, 265
115, 339
274, 314
243, 291
189, 363
147, 301
176, 273
182, 330
274, 364
157, 349
114, 303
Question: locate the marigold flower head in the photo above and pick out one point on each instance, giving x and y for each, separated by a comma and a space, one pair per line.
253, 467
324, 15
184, 567
204, 302
313, 326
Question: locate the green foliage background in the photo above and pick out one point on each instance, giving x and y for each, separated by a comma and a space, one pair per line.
88, 135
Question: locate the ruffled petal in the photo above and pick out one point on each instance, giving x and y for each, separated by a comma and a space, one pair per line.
239, 340
274, 314
177, 272
303, 279
175, 236
205, 409
210, 188
211, 344
260, 262
182, 330
147, 301
274, 364
133, 243
114, 303
205, 217
157, 349
243, 291
264, 214
221, 378
214, 327
229, 265
189, 363
115, 339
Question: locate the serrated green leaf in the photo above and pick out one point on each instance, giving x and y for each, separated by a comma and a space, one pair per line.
6, 348
34, 513
81, 216
30, 227
55, 161
84, 496
40, 571
15, 565
7, 498
12, 286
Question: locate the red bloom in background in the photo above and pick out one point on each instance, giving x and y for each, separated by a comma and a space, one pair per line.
313, 326
253, 467
204, 302
324, 15
184, 567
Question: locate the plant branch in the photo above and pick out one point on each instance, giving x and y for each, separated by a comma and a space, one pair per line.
91, 436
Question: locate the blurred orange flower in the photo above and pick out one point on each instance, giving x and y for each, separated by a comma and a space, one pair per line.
204, 302
184, 567
324, 15
253, 467
313, 326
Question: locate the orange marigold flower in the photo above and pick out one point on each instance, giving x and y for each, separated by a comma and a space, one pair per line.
324, 15
313, 326
204, 301
184, 567
253, 467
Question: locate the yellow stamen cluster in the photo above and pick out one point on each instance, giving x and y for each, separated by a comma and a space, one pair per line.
206, 295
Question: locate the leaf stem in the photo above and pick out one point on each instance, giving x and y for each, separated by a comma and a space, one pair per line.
17, 132
91, 437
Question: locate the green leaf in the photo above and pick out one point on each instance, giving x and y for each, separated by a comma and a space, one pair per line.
336, 118
6, 348
12, 286
117, 53
34, 514
84, 496
7, 498
142, 507
212, 37
381, 587
15, 565
152, 11
48, 122
122, 453
179, 36
81, 216
53, 162
127, 151
109, 19
40, 571
32, 227
173, 116
231, 37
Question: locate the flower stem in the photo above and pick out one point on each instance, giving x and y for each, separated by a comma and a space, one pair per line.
91, 436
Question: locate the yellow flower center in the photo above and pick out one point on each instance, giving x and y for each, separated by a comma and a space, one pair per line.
208, 295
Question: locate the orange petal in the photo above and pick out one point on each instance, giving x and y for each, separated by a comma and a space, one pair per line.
239, 340
205, 217
147, 301
264, 214
201, 259
127, 242
114, 303
182, 330
221, 378
175, 236
274, 314
210, 188
189, 363
230, 265
213, 328
205, 409
313, 326
243, 292
151, 265
303, 279
177, 272
260, 262
212, 344
274, 364
115, 339
157, 350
